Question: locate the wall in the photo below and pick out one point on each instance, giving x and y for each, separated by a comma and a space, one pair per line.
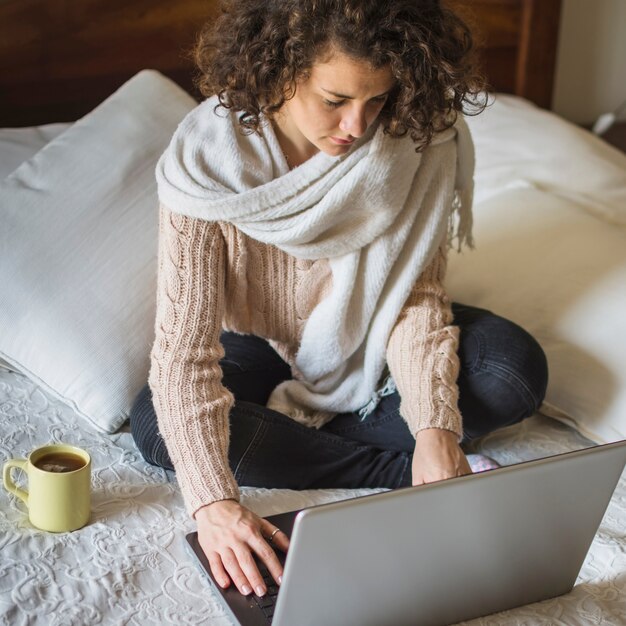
591, 59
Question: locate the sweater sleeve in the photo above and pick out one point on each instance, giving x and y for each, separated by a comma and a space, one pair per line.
422, 354
191, 404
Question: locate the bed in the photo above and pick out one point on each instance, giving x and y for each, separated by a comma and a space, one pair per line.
550, 221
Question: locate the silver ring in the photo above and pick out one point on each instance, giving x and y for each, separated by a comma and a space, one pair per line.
271, 537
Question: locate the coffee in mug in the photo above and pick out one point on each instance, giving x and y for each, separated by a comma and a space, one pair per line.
59, 486
60, 462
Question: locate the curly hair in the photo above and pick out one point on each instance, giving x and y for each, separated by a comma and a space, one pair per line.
254, 54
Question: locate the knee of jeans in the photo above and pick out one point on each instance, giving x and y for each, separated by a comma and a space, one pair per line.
540, 373
524, 360
499, 350
143, 425
533, 368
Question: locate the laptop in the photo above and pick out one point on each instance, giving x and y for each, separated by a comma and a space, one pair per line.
439, 553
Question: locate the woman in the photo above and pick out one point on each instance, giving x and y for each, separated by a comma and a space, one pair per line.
303, 335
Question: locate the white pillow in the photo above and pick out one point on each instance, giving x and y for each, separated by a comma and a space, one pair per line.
19, 144
79, 242
550, 256
519, 145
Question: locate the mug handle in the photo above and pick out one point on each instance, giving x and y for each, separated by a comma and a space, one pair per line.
9, 485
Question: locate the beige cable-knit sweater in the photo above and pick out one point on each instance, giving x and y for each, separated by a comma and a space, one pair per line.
211, 277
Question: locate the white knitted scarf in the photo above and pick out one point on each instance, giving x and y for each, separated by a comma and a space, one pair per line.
378, 213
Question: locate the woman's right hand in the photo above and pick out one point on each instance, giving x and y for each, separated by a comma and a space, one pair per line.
229, 534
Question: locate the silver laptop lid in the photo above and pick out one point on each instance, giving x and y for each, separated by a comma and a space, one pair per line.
449, 551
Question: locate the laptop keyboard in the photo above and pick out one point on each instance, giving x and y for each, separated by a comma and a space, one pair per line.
267, 602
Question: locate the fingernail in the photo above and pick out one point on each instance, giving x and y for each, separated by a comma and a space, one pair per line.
280, 580
260, 590
246, 590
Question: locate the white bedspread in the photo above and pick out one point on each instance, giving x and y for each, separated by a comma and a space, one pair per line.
129, 565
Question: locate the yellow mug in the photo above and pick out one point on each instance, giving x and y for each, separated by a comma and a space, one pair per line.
59, 486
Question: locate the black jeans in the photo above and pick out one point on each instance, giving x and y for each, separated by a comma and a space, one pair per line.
502, 380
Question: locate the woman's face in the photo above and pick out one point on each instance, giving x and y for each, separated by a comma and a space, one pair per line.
332, 107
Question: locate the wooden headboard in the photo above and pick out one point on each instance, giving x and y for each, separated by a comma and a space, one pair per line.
60, 58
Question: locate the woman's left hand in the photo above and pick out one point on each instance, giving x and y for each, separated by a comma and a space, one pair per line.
437, 456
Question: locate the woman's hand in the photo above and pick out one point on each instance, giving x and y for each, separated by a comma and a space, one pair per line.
437, 456
229, 534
